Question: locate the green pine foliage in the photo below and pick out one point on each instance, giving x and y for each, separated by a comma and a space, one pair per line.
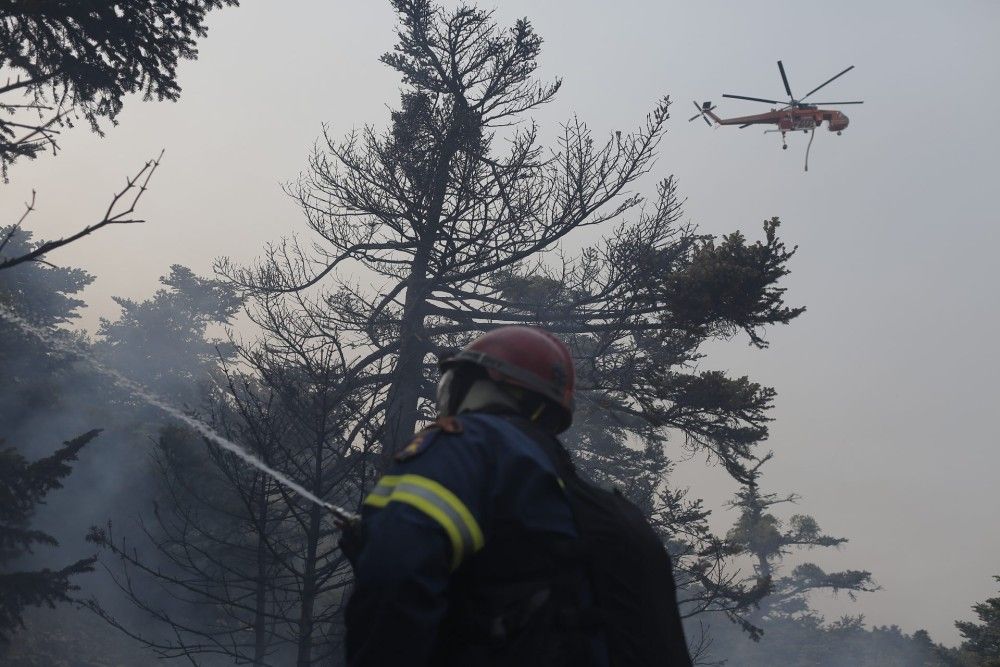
23, 486
982, 640
167, 341
767, 539
66, 61
47, 296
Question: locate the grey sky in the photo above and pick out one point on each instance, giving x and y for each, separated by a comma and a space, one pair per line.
887, 385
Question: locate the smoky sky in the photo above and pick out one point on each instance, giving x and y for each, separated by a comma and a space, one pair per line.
887, 385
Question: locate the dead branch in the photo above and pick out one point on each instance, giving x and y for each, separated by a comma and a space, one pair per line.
130, 195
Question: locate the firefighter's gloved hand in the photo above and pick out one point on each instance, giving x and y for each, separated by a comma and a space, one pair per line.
351, 540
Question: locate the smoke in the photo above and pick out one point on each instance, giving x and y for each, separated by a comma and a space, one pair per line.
809, 640
136, 390
57, 385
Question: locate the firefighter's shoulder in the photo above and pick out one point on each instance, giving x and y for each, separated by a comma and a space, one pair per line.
517, 447
424, 438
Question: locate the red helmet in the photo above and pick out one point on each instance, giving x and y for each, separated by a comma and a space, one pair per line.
526, 357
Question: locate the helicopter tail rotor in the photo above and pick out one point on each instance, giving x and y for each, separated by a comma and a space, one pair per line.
705, 111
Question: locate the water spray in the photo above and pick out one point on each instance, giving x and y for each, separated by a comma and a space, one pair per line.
342, 517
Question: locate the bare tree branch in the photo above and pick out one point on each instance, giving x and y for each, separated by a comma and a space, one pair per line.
119, 211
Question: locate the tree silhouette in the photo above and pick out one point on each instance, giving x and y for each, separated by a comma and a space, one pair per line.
68, 61
982, 639
259, 568
768, 540
456, 219
23, 486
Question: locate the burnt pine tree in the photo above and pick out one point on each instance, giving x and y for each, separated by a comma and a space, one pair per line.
429, 208
452, 221
442, 224
210, 536
66, 61
23, 486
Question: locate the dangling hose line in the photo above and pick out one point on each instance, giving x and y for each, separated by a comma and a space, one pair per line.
811, 136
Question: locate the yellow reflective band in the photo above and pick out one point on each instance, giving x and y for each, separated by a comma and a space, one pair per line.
379, 497
453, 502
436, 513
438, 503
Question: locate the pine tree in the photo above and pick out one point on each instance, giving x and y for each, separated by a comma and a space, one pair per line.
34, 376
768, 540
23, 486
79, 60
258, 567
982, 639
453, 221
166, 340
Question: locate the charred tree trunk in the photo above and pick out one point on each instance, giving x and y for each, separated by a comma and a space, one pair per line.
308, 591
260, 608
404, 392
309, 580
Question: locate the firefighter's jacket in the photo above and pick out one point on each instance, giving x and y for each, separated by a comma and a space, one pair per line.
466, 557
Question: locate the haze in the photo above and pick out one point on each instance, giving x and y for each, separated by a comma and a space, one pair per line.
885, 420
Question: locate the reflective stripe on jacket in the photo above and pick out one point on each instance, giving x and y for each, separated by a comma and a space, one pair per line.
429, 527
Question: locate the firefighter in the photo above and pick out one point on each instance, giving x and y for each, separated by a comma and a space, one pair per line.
469, 551
465, 552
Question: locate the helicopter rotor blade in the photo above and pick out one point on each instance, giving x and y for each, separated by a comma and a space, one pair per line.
829, 104
784, 79
752, 99
830, 80
698, 107
701, 112
745, 125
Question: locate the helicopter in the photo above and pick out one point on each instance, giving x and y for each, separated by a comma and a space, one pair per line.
794, 115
